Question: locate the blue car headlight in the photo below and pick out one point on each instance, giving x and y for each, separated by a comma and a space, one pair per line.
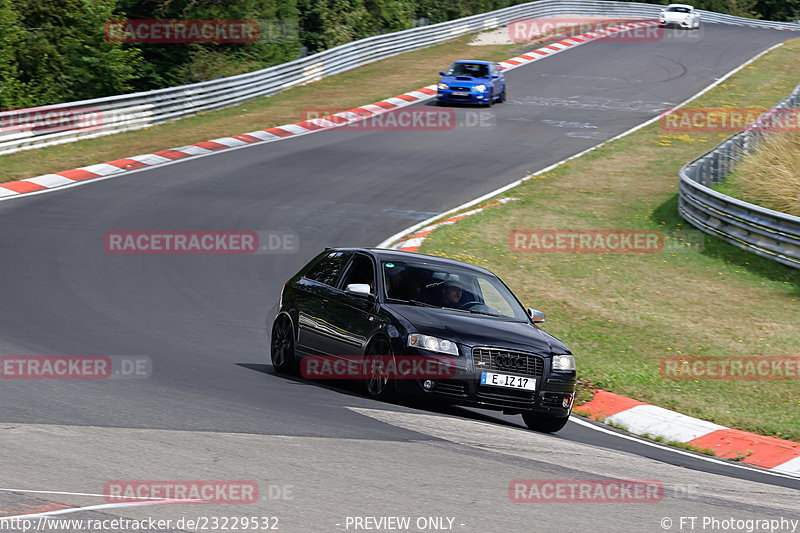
480, 88
442, 86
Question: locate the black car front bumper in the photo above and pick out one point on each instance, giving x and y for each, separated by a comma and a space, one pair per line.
553, 394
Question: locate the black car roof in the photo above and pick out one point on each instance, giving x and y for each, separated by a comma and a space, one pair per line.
399, 255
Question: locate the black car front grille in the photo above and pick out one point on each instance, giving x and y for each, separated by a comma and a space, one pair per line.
507, 361
465, 89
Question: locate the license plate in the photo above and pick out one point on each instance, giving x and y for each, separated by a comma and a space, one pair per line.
506, 380
460, 93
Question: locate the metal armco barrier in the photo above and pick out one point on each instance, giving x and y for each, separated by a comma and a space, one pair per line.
762, 231
71, 121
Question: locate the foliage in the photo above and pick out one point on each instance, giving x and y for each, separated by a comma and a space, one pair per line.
55, 51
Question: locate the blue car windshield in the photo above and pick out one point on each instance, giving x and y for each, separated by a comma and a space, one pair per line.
450, 287
476, 70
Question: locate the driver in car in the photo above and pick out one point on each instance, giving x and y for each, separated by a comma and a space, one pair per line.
451, 294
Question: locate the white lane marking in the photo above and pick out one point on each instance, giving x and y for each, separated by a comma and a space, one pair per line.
662, 422
191, 150
149, 501
468, 432
50, 180
293, 128
791, 467
101, 169
398, 101
229, 141
92, 508
67, 493
678, 451
152, 159
263, 135
397, 236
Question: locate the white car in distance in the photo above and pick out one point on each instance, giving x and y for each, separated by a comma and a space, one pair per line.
682, 15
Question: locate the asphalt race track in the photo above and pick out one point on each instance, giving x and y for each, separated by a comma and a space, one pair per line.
214, 409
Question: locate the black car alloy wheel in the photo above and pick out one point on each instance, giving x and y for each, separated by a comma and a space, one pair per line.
378, 384
282, 346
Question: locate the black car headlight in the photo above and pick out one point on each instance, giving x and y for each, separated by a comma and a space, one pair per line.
563, 362
432, 344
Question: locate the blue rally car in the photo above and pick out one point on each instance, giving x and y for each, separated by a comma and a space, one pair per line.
472, 82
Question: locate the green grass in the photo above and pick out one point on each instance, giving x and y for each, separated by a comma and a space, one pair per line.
678, 444
622, 313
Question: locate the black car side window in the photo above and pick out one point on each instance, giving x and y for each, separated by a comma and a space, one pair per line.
361, 271
328, 269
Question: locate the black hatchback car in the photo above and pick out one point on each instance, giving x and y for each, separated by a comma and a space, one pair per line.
370, 302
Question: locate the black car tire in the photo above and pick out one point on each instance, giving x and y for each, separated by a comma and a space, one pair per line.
491, 100
502, 96
544, 424
282, 346
379, 387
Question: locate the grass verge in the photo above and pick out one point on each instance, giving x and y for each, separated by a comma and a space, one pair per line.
770, 176
622, 313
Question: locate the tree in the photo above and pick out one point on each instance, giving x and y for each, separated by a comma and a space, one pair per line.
64, 55
779, 9
12, 90
170, 64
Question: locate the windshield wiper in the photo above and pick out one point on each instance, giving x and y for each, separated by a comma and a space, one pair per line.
482, 312
472, 311
421, 304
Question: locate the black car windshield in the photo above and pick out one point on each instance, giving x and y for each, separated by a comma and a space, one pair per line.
674, 9
449, 287
476, 70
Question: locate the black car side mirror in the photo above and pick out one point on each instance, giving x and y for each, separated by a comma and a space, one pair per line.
359, 289
537, 317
